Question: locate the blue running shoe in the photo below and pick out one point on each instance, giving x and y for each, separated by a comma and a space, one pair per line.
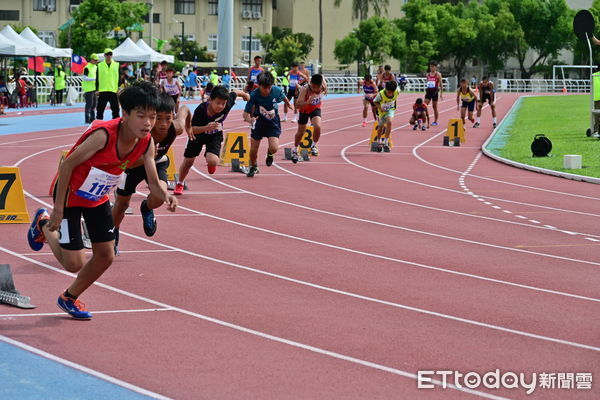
73, 307
434, 124
35, 236
149, 220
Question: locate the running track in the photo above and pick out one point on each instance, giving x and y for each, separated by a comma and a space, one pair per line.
335, 278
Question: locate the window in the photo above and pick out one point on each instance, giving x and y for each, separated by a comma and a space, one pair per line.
9, 15
188, 36
44, 5
255, 43
212, 42
48, 37
213, 7
252, 5
185, 6
156, 18
274, 4
75, 2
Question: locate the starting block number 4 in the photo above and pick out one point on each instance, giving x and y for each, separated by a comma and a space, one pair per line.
456, 129
12, 199
236, 147
374, 136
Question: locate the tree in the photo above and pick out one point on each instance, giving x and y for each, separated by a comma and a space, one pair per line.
191, 50
95, 19
271, 41
545, 25
374, 40
287, 51
360, 8
21, 28
420, 28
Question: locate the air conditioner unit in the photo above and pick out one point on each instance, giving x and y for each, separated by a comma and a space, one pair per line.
72, 8
246, 14
246, 57
50, 8
256, 15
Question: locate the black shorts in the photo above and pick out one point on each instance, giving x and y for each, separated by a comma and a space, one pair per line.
485, 97
292, 93
98, 220
175, 98
212, 143
432, 94
303, 118
134, 176
469, 105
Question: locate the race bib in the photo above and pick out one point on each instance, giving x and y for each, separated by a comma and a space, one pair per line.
430, 84
387, 106
98, 184
315, 100
293, 82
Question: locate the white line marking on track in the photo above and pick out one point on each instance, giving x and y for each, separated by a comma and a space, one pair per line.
82, 368
95, 312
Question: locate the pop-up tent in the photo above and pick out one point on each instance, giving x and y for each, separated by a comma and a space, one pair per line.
156, 56
49, 50
128, 51
15, 45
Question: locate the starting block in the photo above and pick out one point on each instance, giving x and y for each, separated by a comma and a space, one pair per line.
303, 155
456, 133
237, 167
8, 293
373, 140
13, 209
172, 172
287, 153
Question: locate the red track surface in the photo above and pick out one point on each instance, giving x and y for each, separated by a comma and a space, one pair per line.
334, 278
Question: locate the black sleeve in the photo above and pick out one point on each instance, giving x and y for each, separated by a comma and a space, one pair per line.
230, 102
197, 117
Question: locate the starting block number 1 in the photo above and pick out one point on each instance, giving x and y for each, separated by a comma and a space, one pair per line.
12, 199
456, 129
236, 147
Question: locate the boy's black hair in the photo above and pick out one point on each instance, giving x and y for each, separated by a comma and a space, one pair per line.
485, 78
419, 101
256, 57
368, 77
463, 80
265, 79
391, 86
294, 64
432, 62
167, 104
219, 92
316, 79
387, 68
141, 94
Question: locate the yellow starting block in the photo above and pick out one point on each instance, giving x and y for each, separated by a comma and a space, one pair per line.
235, 146
455, 133
373, 140
307, 140
12, 199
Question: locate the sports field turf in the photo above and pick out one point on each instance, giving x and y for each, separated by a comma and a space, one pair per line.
563, 119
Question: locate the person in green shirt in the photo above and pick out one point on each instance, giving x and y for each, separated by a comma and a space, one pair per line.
108, 85
88, 85
214, 78
59, 83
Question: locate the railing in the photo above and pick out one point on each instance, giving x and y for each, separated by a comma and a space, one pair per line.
349, 84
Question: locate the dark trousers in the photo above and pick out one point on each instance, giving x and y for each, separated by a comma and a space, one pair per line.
59, 96
103, 99
90, 106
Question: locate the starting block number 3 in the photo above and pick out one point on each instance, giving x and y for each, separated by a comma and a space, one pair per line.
307, 139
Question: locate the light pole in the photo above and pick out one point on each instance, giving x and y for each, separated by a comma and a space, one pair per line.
182, 37
250, 46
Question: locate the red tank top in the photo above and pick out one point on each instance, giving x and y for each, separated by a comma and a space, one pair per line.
93, 180
432, 81
314, 103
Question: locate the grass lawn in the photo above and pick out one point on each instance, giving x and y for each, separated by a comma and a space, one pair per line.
563, 119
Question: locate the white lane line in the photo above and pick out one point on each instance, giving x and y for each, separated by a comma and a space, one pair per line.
82, 368
5, 316
226, 324
90, 252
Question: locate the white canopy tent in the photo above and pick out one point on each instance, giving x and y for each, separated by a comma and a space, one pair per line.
51, 51
156, 56
15, 45
128, 51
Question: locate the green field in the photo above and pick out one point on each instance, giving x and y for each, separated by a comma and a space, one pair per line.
563, 119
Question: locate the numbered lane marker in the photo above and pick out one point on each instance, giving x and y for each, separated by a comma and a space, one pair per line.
236, 146
307, 139
456, 129
374, 137
13, 209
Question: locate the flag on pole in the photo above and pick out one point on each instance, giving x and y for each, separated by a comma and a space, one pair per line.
78, 63
36, 64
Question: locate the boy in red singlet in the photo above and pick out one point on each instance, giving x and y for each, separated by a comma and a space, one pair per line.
88, 174
309, 103
434, 89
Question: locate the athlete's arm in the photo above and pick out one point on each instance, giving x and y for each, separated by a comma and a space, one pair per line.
457, 98
492, 93
441, 86
301, 99
242, 94
90, 146
183, 121
156, 188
